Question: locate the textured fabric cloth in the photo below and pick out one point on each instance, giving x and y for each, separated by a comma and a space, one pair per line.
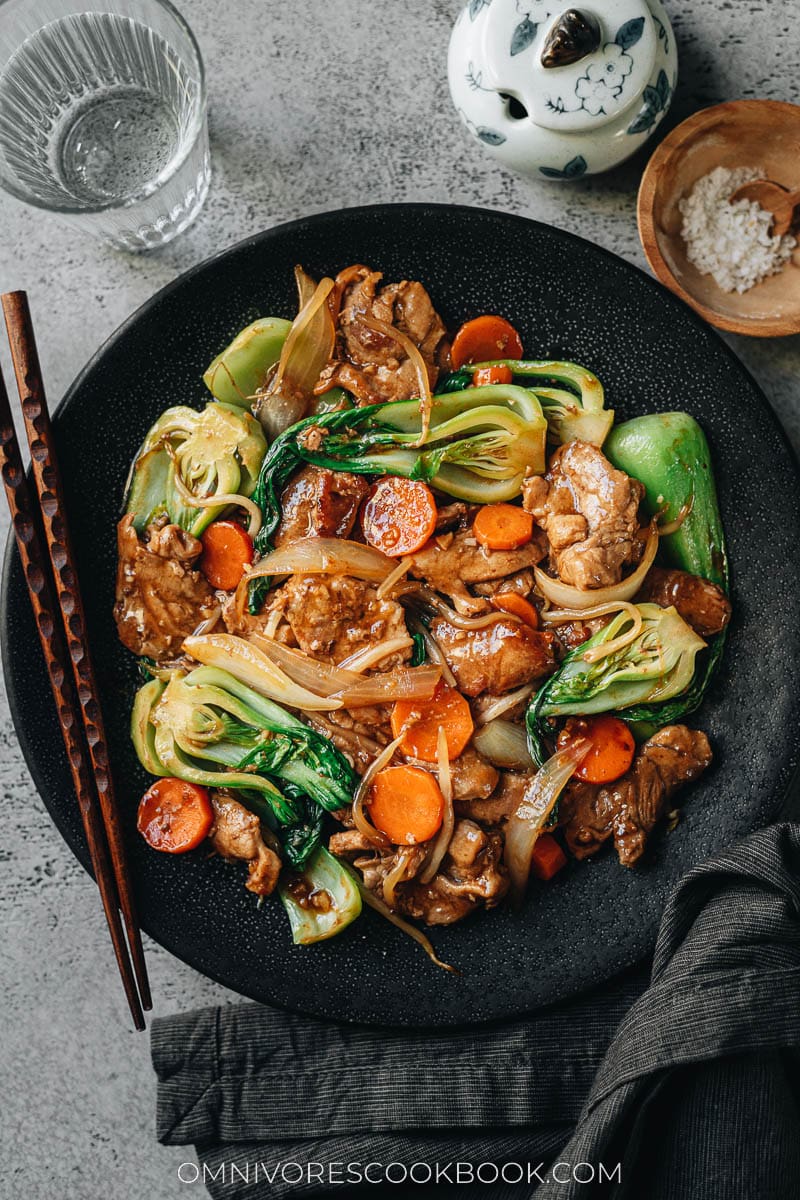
679, 1082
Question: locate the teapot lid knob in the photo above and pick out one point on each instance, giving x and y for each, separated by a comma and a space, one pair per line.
574, 35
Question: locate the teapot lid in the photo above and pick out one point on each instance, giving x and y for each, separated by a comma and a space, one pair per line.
571, 69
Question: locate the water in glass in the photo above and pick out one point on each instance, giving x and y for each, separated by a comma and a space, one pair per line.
103, 121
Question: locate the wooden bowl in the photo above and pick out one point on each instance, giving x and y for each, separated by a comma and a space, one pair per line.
742, 133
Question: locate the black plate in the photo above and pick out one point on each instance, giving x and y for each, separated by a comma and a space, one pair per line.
569, 300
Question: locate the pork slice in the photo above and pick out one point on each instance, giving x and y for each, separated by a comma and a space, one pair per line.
472, 776
449, 568
701, 603
472, 876
333, 616
496, 658
589, 511
522, 583
237, 836
504, 800
160, 597
370, 363
360, 744
629, 809
319, 503
347, 842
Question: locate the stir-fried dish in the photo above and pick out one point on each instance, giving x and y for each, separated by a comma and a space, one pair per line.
417, 620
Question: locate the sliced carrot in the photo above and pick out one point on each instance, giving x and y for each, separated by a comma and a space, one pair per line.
484, 338
486, 375
518, 606
174, 816
227, 550
406, 804
548, 858
502, 526
421, 720
399, 515
613, 747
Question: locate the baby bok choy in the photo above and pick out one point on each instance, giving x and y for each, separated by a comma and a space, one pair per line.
669, 454
571, 397
193, 465
237, 374
322, 901
210, 729
478, 446
650, 660
274, 365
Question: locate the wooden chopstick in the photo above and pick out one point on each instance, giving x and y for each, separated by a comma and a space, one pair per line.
83, 705
48, 626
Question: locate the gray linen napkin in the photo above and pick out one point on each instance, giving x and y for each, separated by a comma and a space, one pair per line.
686, 1085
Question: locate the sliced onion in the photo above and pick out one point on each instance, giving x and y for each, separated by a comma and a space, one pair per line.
504, 744
448, 817
566, 596
403, 683
228, 499
595, 653
250, 665
393, 577
349, 687
325, 556
505, 703
673, 526
398, 874
413, 354
467, 623
525, 825
378, 905
277, 411
440, 606
556, 616
561, 616
370, 656
434, 651
306, 286
360, 818
273, 623
307, 349
165, 670
208, 624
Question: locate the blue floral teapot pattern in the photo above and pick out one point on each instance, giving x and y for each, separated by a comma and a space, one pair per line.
559, 93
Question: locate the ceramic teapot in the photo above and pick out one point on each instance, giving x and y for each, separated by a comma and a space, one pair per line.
558, 93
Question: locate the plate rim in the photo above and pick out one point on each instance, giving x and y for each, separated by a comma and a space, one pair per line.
265, 235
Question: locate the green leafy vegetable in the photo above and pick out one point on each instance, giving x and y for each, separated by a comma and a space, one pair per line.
572, 398
215, 452
304, 836
419, 654
236, 375
208, 728
639, 678
328, 879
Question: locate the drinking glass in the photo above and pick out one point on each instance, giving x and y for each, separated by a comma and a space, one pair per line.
103, 116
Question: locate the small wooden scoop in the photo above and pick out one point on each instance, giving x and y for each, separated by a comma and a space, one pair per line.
774, 198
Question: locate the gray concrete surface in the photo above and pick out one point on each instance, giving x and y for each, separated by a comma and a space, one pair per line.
315, 105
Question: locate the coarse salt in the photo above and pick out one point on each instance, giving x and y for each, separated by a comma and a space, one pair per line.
731, 242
